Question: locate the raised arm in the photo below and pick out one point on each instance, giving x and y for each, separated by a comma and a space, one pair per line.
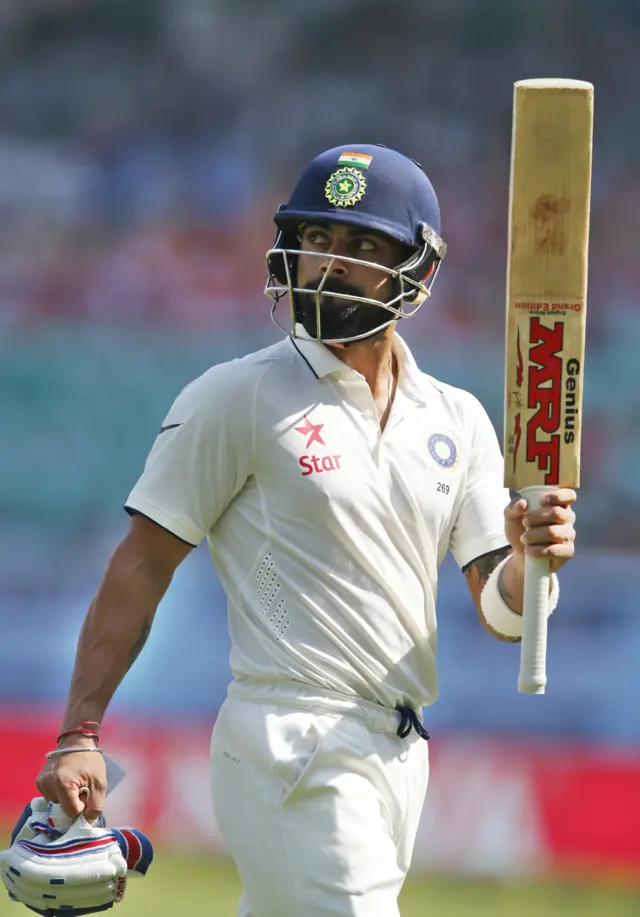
113, 634
545, 532
478, 572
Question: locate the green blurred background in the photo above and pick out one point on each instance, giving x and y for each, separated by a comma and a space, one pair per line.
194, 887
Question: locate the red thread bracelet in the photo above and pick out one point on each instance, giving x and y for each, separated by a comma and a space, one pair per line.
85, 729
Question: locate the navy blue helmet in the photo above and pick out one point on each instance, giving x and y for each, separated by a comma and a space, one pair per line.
374, 188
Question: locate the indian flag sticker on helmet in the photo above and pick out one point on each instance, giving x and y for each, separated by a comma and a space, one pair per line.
345, 187
359, 160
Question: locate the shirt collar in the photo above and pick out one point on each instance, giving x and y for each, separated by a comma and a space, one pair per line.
322, 362
411, 380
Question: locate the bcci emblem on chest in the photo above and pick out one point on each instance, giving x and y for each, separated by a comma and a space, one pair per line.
345, 187
443, 450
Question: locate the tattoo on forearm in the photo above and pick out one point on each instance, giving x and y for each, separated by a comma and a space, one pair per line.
137, 647
484, 565
504, 592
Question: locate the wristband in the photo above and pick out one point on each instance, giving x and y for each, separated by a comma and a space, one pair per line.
497, 613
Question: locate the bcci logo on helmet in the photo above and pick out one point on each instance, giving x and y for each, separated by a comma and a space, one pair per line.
345, 187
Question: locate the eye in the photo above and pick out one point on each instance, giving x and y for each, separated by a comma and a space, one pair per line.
316, 237
365, 245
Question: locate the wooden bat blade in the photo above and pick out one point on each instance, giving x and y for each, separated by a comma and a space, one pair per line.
549, 203
546, 301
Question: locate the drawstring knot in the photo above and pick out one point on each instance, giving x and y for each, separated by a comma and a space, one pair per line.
409, 719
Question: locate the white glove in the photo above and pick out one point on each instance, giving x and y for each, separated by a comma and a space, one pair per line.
57, 865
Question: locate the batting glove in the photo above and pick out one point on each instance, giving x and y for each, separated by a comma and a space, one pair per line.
57, 865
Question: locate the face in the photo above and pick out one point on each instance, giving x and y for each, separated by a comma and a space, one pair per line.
328, 243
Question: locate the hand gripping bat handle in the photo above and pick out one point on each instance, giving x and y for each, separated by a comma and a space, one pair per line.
532, 677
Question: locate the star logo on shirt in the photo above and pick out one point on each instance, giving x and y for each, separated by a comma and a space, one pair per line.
312, 430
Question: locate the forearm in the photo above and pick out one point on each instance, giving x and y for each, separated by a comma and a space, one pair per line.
511, 582
113, 634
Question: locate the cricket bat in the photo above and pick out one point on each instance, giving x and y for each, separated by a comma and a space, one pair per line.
546, 300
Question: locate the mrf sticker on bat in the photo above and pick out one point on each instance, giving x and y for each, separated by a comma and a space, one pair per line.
544, 396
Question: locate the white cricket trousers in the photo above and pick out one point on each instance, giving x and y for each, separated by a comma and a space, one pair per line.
319, 809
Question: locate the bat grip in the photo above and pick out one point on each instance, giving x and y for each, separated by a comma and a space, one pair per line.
532, 677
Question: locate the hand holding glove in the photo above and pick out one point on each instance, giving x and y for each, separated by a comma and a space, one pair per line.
57, 865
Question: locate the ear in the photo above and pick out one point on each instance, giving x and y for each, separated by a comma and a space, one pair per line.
429, 272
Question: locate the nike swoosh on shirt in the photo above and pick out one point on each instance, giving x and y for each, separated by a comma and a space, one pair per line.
169, 426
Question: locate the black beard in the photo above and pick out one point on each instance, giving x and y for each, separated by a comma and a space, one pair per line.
339, 318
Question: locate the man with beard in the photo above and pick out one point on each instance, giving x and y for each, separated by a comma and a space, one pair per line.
330, 477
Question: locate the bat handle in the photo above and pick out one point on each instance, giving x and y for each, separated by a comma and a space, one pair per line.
532, 677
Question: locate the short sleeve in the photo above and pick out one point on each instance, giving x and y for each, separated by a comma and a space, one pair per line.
201, 458
479, 525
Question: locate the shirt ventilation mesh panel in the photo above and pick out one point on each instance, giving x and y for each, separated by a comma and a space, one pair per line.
267, 589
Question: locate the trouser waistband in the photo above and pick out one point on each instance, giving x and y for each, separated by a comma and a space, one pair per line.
399, 721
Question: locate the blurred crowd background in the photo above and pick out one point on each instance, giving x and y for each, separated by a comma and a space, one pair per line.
144, 146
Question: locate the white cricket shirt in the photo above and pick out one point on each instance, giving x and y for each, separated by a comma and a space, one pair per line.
326, 533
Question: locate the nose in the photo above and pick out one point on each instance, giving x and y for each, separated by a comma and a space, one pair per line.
330, 262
